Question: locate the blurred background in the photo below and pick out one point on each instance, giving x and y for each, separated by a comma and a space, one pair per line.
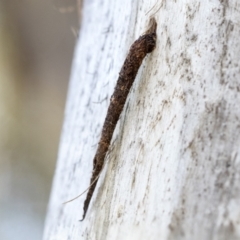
37, 40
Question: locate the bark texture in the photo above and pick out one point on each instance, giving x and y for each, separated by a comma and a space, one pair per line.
173, 168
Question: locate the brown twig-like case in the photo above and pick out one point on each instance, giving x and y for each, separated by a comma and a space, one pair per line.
139, 49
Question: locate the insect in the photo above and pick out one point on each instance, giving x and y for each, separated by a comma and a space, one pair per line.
139, 49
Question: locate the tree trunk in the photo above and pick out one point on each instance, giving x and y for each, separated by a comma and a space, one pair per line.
173, 170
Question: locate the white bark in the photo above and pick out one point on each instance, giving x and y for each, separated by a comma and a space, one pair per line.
173, 171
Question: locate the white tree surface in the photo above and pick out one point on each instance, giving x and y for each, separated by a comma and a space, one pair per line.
173, 170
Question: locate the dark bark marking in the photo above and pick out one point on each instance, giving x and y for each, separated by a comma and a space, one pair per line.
139, 49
